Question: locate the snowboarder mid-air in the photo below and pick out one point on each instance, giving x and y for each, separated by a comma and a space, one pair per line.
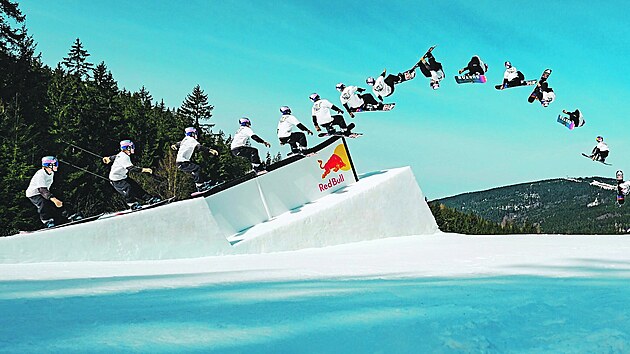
241, 145
431, 69
576, 117
475, 67
38, 192
322, 117
286, 135
185, 150
600, 151
383, 86
131, 191
354, 100
512, 77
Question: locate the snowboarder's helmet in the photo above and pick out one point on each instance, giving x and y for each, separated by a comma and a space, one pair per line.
435, 84
50, 161
340, 86
127, 145
370, 81
244, 122
599, 139
285, 110
314, 97
508, 65
190, 131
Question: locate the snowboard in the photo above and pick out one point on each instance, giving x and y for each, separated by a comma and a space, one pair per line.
543, 78
81, 221
621, 198
478, 79
144, 207
566, 122
525, 83
590, 157
337, 133
373, 108
352, 135
206, 191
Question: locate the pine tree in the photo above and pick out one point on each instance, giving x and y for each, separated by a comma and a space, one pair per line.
76, 62
9, 11
196, 109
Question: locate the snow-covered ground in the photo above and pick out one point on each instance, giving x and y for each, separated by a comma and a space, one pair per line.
418, 294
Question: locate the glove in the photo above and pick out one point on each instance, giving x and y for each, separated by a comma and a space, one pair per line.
174, 147
318, 128
147, 170
309, 132
213, 152
267, 144
351, 114
58, 203
106, 160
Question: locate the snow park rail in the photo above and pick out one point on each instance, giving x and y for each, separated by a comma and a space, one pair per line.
302, 202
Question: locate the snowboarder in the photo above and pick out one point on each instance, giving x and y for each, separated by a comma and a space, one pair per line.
544, 93
38, 192
384, 86
130, 190
431, 69
576, 117
296, 140
241, 145
600, 151
623, 188
475, 66
322, 117
185, 150
512, 77
353, 102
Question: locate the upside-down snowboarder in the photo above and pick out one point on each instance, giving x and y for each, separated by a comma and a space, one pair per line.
431, 68
475, 67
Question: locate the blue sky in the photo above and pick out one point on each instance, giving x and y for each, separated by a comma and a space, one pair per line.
251, 57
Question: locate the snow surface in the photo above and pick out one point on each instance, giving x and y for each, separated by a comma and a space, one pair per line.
436, 292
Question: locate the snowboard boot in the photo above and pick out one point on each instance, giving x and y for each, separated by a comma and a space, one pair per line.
50, 223
135, 206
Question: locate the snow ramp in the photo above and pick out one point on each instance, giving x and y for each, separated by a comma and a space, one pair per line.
304, 202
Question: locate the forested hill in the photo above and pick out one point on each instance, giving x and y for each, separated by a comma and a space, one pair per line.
565, 206
77, 112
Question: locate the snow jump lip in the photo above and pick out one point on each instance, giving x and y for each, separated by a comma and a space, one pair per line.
296, 205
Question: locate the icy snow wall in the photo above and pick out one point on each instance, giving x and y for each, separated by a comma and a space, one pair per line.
314, 201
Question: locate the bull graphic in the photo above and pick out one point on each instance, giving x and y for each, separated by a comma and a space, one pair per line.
334, 163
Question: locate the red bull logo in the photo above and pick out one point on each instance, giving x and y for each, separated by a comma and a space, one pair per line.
337, 161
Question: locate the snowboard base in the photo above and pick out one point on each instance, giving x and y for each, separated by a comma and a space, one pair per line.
525, 83
476, 79
566, 122
373, 108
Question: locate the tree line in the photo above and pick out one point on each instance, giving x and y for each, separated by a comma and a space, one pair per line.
76, 109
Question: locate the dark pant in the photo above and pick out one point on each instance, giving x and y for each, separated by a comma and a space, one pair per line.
337, 120
130, 190
295, 140
429, 65
249, 153
193, 169
600, 155
45, 208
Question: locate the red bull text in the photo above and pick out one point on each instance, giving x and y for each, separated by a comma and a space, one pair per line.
331, 182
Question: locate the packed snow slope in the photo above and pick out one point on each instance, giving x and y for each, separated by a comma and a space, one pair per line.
252, 217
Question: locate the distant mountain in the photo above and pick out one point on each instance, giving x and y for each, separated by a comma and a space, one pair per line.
564, 205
